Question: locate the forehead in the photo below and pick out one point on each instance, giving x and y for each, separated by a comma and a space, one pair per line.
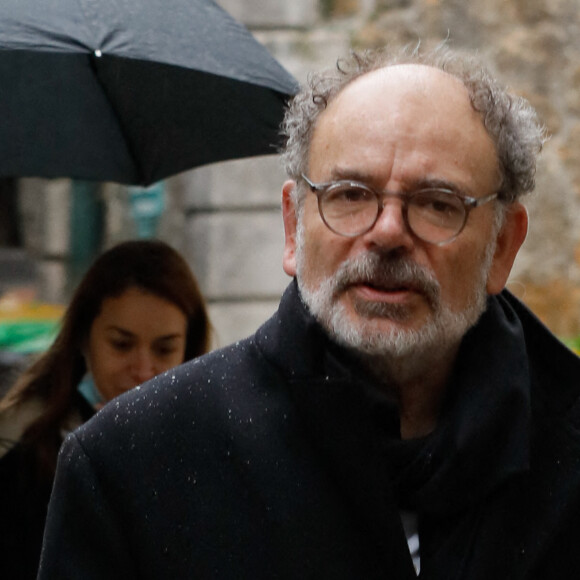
400, 116
139, 311
414, 85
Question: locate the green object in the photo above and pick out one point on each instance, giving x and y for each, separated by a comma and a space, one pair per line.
147, 205
87, 216
573, 343
27, 336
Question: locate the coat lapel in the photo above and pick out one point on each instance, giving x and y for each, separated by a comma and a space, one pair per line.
512, 525
342, 429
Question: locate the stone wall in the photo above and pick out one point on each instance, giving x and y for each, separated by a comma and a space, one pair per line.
533, 46
226, 217
234, 233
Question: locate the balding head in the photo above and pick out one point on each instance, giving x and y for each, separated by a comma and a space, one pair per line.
509, 120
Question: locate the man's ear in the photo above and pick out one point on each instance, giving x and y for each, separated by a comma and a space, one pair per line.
509, 241
290, 223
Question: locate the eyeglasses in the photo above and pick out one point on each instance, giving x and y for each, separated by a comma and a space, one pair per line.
434, 215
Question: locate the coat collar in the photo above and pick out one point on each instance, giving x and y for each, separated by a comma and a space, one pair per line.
512, 402
328, 387
486, 414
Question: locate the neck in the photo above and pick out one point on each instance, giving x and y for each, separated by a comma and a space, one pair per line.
418, 384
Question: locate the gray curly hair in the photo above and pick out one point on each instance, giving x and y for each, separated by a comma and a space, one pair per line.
510, 120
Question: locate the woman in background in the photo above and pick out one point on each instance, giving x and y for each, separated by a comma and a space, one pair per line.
137, 313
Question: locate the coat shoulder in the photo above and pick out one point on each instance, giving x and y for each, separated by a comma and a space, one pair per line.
234, 384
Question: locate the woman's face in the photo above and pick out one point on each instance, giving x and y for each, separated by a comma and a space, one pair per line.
135, 336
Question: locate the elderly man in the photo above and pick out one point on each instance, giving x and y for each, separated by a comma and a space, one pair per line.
401, 412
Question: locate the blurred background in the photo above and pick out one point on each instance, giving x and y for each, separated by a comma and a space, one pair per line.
225, 218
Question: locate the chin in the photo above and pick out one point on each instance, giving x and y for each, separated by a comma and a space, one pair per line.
396, 333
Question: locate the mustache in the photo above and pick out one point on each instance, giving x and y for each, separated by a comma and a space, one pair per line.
388, 272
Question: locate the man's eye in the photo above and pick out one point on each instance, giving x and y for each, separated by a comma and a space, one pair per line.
349, 194
440, 204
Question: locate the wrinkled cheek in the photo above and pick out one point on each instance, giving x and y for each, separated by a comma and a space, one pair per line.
310, 267
466, 291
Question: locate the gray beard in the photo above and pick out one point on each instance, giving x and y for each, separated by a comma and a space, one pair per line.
398, 352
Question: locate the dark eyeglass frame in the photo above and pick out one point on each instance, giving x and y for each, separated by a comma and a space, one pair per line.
469, 203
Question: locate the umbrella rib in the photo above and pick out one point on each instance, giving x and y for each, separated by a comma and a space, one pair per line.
94, 61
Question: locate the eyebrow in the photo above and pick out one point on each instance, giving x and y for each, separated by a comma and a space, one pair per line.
169, 337
340, 174
128, 334
438, 183
119, 329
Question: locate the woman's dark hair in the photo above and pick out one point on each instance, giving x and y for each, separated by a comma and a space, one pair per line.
149, 265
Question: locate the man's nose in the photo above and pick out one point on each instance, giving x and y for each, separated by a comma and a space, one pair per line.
390, 231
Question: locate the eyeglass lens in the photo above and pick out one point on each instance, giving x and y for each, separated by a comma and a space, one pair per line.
433, 215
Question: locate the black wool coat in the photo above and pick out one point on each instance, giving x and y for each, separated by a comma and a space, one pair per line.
260, 461
24, 498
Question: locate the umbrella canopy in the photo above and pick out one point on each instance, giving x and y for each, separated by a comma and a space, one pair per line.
132, 91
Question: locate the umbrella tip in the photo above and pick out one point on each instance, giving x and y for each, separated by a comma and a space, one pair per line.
98, 53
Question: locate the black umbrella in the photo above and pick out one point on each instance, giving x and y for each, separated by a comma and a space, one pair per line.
132, 91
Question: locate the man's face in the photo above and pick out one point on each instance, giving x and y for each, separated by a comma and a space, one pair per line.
398, 129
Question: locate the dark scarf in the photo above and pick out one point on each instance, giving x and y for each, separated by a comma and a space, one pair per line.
481, 440
482, 436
